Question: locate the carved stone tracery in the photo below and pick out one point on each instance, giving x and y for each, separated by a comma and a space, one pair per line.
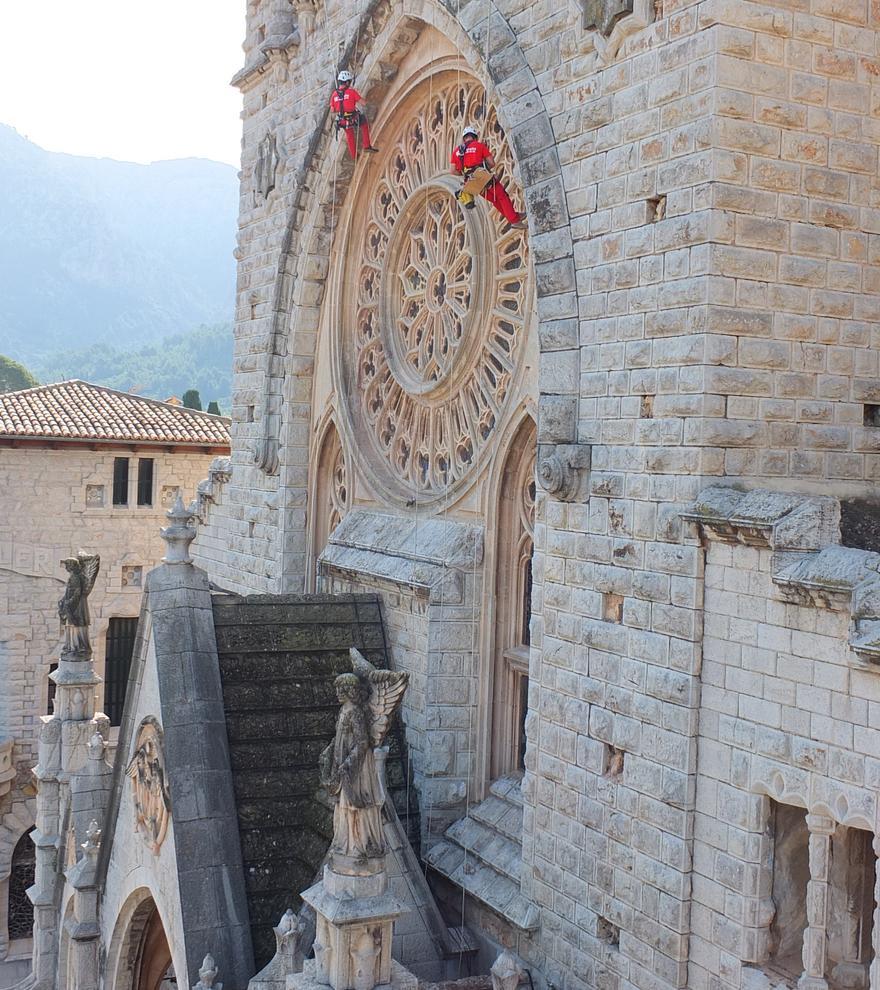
436, 315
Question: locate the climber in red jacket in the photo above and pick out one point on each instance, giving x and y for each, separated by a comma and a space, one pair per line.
473, 161
349, 117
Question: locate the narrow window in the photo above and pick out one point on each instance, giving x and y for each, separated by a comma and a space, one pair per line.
120, 481
145, 481
50, 690
21, 876
120, 647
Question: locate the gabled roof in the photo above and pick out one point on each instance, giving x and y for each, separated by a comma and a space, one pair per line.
79, 412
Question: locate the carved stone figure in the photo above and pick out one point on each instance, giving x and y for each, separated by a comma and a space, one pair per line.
152, 800
73, 608
602, 15
267, 165
369, 698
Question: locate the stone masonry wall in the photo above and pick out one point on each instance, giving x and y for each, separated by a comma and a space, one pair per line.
719, 169
789, 713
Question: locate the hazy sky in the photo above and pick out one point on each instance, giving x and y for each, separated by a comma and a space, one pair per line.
137, 80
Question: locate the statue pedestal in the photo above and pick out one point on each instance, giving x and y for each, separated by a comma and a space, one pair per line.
355, 922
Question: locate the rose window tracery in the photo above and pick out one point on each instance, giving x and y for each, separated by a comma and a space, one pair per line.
435, 320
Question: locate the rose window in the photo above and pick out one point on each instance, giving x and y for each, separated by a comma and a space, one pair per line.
435, 299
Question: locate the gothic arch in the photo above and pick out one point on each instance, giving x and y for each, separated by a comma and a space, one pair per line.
330, 495
322, 184
15, 829
507, 597
139, 945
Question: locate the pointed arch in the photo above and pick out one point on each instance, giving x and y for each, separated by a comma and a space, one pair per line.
321, 186
331, 493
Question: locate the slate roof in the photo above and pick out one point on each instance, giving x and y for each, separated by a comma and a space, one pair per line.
279, 655
77, 411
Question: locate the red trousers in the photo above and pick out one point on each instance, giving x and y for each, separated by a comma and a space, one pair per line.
496, 194
354, 129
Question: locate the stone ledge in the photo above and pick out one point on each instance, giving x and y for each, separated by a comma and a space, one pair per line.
430, 555
809, 566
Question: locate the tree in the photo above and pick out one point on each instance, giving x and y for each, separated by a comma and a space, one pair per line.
214, 407
192, 399
14, 376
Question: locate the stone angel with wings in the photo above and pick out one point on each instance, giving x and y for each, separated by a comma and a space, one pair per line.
369, 699
73, 609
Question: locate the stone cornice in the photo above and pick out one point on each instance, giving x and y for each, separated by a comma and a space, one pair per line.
809, 566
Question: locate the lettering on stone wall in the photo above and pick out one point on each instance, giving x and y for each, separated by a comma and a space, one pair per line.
152, 800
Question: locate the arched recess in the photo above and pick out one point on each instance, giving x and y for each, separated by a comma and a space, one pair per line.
330, 498
139, 957
513, 516
321, 186
20, 911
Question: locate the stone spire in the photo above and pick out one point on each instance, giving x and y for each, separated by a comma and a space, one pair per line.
179, 534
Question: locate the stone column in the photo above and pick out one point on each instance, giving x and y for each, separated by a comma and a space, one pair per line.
875, 932
821, 829
83, 926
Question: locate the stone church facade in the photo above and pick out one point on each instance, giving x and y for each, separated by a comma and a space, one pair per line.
608, 480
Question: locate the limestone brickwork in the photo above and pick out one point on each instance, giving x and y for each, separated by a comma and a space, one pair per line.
57, 500
700, 307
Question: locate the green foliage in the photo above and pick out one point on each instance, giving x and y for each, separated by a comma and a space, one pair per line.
200, 360
213, 407
14, 376
192, 399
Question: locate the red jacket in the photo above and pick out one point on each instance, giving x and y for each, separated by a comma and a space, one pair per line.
469, 155
344, 100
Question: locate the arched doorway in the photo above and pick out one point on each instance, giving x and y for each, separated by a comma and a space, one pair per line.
140, 955
155, 968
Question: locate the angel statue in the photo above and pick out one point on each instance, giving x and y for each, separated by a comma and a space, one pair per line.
369, 699
73, 608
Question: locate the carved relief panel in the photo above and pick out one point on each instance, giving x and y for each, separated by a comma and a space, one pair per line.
433, 309
149, 780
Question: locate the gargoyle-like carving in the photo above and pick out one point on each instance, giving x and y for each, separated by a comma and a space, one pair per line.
267, 165
73, 609
152, 800
369, 700
602, 15
562, 469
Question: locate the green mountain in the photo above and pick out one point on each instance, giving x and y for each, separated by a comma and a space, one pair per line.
100, 252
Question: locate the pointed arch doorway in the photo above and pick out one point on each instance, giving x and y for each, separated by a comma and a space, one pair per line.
140, 957
155, 969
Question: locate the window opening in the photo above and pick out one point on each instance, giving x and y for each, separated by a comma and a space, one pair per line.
120, 481
50, 690
120, 648
21, 876
145, 481
791, 874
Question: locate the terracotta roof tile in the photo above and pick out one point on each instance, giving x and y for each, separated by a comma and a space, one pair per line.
77, 410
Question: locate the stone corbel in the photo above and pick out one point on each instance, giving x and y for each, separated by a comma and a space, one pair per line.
563, 470
7, 769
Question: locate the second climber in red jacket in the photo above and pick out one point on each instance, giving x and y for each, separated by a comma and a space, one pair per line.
473, 161
349, 117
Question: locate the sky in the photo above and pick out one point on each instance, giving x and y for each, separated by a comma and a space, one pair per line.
127, 79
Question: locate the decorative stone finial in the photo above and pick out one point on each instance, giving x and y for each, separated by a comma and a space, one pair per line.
506, 972
179, 534
95, 746
207, 975
562, 469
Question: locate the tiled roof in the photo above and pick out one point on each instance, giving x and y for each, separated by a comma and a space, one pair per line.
79, 411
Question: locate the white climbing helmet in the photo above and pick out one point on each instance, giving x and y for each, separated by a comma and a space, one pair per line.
470, 129
344, 76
